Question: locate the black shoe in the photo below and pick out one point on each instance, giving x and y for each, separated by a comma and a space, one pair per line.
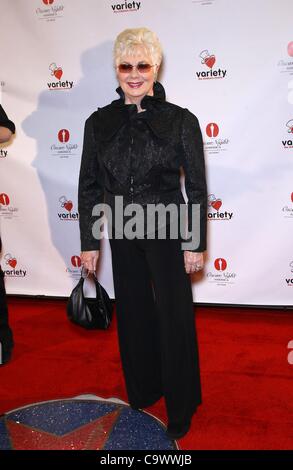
176, 431
6, 356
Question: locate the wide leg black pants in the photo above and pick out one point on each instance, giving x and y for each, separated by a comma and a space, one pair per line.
156, 329
5, 331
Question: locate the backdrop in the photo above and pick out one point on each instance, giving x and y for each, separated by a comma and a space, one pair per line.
230, 62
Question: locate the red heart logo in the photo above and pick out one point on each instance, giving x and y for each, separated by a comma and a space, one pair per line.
68, 205
217, 204
292, 197
58, 73
209, 61
12, 262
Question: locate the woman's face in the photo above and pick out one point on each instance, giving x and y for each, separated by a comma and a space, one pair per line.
137, 84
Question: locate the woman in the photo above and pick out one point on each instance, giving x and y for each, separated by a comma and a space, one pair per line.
7, 128
134, 148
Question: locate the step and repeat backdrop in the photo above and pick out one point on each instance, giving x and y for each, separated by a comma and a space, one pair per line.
230, 62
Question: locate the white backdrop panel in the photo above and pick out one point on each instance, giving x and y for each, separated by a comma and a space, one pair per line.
56, 69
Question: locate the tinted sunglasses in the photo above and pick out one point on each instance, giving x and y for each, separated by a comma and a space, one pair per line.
142, 67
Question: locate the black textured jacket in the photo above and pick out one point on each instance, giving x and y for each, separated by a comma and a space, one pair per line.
138, 156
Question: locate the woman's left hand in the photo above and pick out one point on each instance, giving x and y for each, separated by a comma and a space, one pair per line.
193, 261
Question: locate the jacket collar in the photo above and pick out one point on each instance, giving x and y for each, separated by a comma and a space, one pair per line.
112, 117
148, 101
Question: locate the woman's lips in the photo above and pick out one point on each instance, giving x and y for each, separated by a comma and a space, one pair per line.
135, 85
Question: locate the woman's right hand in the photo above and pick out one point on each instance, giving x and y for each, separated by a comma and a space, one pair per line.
89, 260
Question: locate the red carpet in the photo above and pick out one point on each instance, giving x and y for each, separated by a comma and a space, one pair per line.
246, 378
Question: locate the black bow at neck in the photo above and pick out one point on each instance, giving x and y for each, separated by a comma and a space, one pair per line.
112, 117
158, 96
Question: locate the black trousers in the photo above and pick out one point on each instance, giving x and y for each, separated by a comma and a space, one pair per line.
5, 331
156, 329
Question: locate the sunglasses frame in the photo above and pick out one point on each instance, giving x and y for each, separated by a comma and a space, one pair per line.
136, 67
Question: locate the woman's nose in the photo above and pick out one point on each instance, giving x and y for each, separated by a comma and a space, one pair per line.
134, 73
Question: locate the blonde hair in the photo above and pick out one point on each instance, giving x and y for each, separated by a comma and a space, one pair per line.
129, 39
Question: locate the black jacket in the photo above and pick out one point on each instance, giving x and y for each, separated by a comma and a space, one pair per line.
5, 122
139, 155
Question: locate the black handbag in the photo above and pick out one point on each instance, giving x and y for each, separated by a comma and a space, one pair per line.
90, 313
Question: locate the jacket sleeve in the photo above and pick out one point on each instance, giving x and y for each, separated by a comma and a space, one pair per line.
195, 176
5, 122
90, 187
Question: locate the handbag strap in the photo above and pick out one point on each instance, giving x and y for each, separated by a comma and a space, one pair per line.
98, 285
82, 273
96, 281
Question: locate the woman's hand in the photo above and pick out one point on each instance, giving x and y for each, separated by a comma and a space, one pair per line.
5, 134
89, 260
193, 261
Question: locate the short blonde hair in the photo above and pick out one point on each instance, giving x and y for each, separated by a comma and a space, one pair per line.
129, 39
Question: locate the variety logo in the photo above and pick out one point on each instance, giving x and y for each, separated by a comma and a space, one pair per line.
3, 153
288, 210
289, 125
126, 7
286, 65
289, 280
64, 148
288, 143
7, 211
214, 144
10, 260
11, 271
208, 61
49, 10
215, 205
221, 275
67, 205
57, 73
